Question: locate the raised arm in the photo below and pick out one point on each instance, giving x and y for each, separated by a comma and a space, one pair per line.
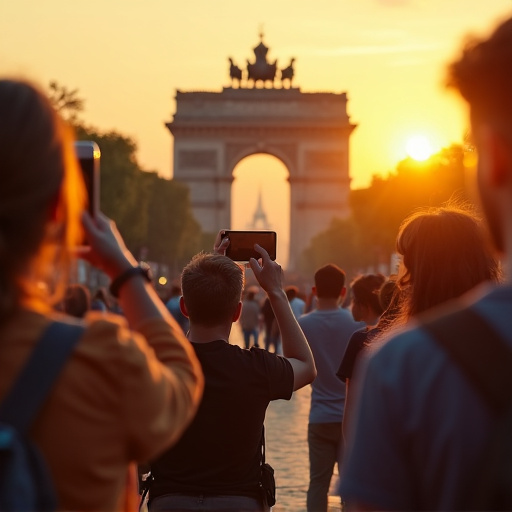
295, 346
176, 390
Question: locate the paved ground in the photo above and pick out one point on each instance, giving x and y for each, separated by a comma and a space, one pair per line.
287, 449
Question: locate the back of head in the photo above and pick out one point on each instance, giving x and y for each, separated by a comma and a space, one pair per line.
212, 287
329, 281
40, 182
483, 77
365, 291
445, 254
77, 300
291, 292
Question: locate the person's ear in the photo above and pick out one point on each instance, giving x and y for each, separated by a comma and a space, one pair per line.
238, 312
313, 290
343, 292
183, 308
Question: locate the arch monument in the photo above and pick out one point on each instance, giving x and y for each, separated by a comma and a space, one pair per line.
308, 132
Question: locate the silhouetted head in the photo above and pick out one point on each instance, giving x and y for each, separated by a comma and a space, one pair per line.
41, 197
444, 254
77, 300
329, 282
483, 77
212, 287
365, 296
291, 292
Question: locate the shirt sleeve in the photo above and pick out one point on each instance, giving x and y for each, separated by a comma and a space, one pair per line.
278, 372
355, 345
160, 382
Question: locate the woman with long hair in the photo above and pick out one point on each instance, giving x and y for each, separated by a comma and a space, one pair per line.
130, 387
444, 254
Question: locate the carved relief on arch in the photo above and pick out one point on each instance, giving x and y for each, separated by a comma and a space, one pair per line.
287, 153
197, 159
325, 160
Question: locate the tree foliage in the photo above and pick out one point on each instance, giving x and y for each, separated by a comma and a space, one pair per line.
153, 214
368, 236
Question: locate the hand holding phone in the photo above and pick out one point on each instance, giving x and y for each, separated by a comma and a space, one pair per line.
241, 244
269, 273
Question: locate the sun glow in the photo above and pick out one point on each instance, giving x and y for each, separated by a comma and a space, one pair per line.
419, 148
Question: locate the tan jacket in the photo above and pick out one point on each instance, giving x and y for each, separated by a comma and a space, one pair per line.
123, 396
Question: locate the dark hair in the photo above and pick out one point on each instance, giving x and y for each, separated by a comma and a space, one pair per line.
212, 287
365, 291
483, 77
291, 292
329, 281
39, 173
77, 300
387, 292
445, 254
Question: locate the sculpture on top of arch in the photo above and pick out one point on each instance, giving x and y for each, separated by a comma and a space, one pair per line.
261, 70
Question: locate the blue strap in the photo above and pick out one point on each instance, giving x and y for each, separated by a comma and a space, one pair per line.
480, 352
36, 378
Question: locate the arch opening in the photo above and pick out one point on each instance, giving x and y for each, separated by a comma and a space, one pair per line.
260, 199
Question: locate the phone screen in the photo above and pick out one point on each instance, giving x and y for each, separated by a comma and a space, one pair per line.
241, 244
88, 154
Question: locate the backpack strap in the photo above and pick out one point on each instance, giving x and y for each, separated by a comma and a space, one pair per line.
36, 378
480, 352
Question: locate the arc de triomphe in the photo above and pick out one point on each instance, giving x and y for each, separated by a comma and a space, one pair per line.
308, 132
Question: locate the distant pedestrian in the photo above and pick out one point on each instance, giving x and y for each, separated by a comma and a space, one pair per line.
328, 329
272, 337
99, 301
77, 300
366, 307
173, 305
250, 319
297, 304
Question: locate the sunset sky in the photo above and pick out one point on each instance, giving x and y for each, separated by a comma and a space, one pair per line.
128, 58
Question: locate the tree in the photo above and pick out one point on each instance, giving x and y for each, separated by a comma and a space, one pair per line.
66, 102
153, 214
378, 210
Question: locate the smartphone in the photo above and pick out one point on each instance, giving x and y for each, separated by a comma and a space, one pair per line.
241, 244
88, 154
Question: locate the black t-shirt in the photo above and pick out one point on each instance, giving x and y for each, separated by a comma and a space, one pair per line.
220, 452
356, 343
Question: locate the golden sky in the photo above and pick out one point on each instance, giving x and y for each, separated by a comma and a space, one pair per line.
128, 58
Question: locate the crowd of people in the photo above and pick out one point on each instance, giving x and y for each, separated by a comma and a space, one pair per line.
407, 397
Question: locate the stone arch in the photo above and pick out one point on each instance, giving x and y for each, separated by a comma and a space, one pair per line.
308, 132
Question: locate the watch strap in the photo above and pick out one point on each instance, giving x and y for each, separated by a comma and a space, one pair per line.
121, 279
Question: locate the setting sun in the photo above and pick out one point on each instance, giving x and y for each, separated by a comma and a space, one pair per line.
419, 148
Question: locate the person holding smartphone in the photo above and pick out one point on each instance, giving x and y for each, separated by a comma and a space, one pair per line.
217, 463
130, 387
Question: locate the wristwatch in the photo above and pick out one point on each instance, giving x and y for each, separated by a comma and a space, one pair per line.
142, 269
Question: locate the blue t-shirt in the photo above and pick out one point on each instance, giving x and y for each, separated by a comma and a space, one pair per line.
328, 332
419, 430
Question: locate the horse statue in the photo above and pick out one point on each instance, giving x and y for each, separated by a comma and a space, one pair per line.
235, 72
263, 71
287, 73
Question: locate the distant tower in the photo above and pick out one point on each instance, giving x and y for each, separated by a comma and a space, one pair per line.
259, 219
